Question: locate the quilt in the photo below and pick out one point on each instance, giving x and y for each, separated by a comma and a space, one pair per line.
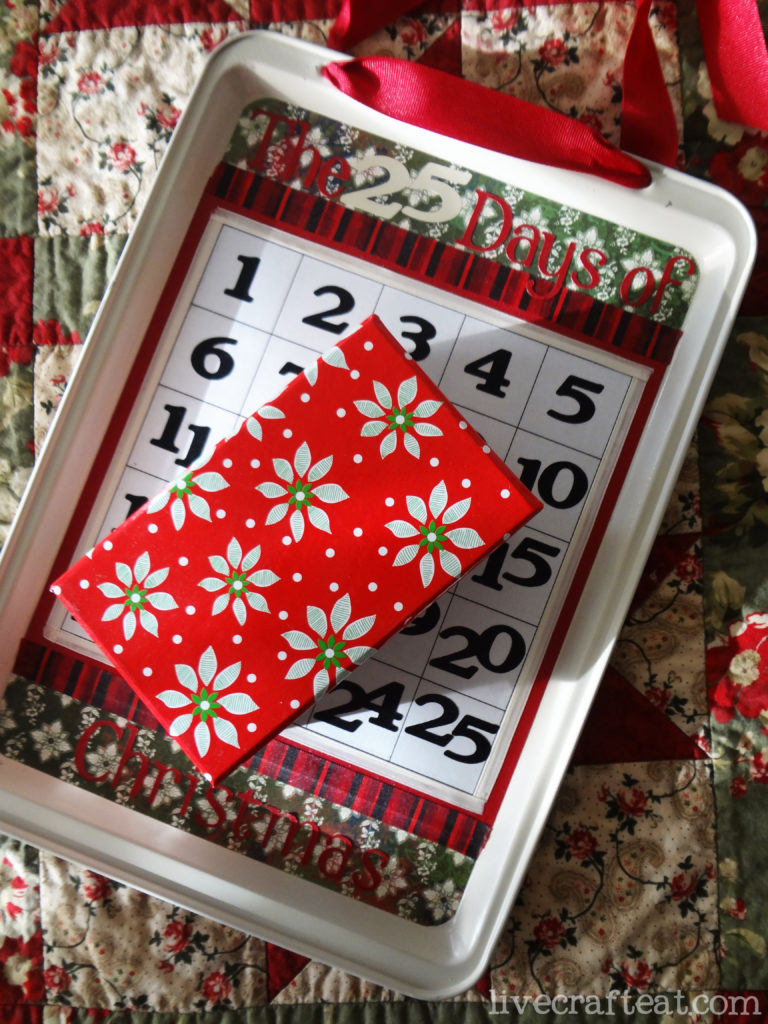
647, 896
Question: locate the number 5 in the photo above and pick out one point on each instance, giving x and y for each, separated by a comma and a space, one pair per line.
468, 728
574, 387
437, 179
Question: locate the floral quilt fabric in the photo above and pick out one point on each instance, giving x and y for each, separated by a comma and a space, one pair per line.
649, 880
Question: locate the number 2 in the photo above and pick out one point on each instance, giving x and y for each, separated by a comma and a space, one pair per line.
345, 304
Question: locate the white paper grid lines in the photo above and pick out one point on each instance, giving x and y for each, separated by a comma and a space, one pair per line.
260, 313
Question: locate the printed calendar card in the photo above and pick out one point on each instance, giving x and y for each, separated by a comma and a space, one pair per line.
568, 325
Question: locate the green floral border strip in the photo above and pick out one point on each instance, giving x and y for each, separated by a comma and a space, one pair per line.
256, 816
545, 238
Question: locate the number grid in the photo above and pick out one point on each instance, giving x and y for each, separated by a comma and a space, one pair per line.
436, 707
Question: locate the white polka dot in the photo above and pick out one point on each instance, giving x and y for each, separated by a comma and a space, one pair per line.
207, 776
486, 449
398, 606
107, 545
287, 540
341, 413
389, 502
354, 374
297, 577
368, 346
287, 432
152, 528
251, 727
221, 513
334, 586
329, 552
295, 704
250, 523
466, 482
237, 639
251, 677
255, 463
357, 532
281, 655
183, 560
118, 649
434, 461
56, 589
304, 396
84, 584
505, 493
383, 550
227, 463
282, 615
146, 671
462, 424
190, 609
357, 458
177, 638
373, 586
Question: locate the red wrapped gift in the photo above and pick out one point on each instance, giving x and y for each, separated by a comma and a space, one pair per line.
255, 582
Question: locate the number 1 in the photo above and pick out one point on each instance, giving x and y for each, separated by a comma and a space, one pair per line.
241, 290
169, 435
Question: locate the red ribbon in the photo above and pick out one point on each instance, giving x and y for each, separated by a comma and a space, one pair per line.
736, 57
737, 60
648, 123
418, 95
356, 21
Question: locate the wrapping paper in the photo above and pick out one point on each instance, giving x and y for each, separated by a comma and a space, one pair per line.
274, 571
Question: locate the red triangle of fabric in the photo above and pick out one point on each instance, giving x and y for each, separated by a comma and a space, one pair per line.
623, 726
282, 968
445, 52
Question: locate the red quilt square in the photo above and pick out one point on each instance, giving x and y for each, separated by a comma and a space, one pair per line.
254, 583
16, 258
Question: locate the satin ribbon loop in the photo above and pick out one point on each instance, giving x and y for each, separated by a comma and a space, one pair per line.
416, 94
737, 61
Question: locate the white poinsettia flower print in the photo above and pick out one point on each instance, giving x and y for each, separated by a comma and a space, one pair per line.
184, 494
237, 577
332, 357
332, 638
266, 412
398, 417
203, 704
429, 528
299, 492
134, 594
